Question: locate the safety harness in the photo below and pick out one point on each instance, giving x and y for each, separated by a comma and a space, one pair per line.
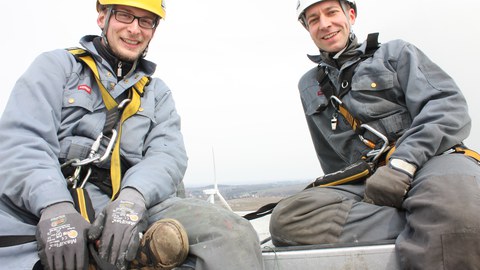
346, 76
360, 170
380, 153
116, 115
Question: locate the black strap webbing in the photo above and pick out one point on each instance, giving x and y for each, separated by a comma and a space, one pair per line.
100, 263
355, 173
346, 77
14, 240
83, 203
262, 211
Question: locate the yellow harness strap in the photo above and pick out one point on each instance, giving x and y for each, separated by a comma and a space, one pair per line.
349, 117
110, 103
467, 152
131, 109
82, 205
348, 179
354, 123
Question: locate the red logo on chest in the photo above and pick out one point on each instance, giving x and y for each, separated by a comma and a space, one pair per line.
85, 88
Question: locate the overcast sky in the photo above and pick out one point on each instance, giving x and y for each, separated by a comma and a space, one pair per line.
233, 67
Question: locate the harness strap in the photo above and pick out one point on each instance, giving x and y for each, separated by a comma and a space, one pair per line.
130, 110
346, 79
112, 113
467, 152
83, 204
354, 122
14, 240
355, 173
81, 54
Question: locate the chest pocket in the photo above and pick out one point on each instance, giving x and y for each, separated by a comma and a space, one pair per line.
78, 93
376, 101
373, 82
82, 108
373, 96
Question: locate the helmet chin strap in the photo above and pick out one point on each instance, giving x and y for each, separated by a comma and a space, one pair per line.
105, 27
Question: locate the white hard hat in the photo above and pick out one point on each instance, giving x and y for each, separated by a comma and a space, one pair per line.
302, 5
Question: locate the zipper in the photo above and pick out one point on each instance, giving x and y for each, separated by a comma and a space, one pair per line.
119, 69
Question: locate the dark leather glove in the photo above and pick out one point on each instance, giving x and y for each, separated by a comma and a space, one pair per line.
389, 184
118, 228
61, 238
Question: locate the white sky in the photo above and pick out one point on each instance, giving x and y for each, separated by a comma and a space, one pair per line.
233, 67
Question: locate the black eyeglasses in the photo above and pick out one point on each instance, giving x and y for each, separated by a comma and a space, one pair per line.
144, 22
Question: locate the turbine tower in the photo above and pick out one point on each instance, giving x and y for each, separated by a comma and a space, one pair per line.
215, 191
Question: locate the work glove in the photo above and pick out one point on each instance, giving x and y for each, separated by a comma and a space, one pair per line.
389, 184
62, 238
118, 228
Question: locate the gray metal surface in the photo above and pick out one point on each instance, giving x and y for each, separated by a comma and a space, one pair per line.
349, 258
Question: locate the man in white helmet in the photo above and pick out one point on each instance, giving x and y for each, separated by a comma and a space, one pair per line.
92, 157
390, 107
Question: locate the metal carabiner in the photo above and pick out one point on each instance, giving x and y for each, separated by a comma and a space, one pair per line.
73, 179
110, 145
375, 152
123, 103
85, 179
93, 156
337, 100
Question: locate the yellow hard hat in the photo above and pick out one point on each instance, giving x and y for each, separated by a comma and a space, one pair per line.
154, 6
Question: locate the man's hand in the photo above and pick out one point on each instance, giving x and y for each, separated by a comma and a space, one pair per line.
118, 228
61, 238
389, 184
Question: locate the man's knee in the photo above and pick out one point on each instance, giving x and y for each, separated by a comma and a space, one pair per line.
314, 216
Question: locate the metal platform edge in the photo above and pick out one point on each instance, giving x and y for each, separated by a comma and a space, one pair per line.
376, 257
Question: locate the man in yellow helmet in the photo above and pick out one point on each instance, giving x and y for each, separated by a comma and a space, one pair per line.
93, 158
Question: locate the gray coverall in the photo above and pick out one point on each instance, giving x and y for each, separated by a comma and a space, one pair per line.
408, 98
55, 112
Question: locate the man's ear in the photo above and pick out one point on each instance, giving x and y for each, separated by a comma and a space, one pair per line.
101, 19
352, 16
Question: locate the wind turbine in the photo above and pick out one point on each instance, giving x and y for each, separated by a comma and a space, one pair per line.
215, 191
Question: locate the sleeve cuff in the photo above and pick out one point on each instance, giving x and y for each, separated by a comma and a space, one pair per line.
404, 166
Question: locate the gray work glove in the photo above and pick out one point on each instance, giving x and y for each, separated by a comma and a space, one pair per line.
61, 238
118, 228
389, 184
